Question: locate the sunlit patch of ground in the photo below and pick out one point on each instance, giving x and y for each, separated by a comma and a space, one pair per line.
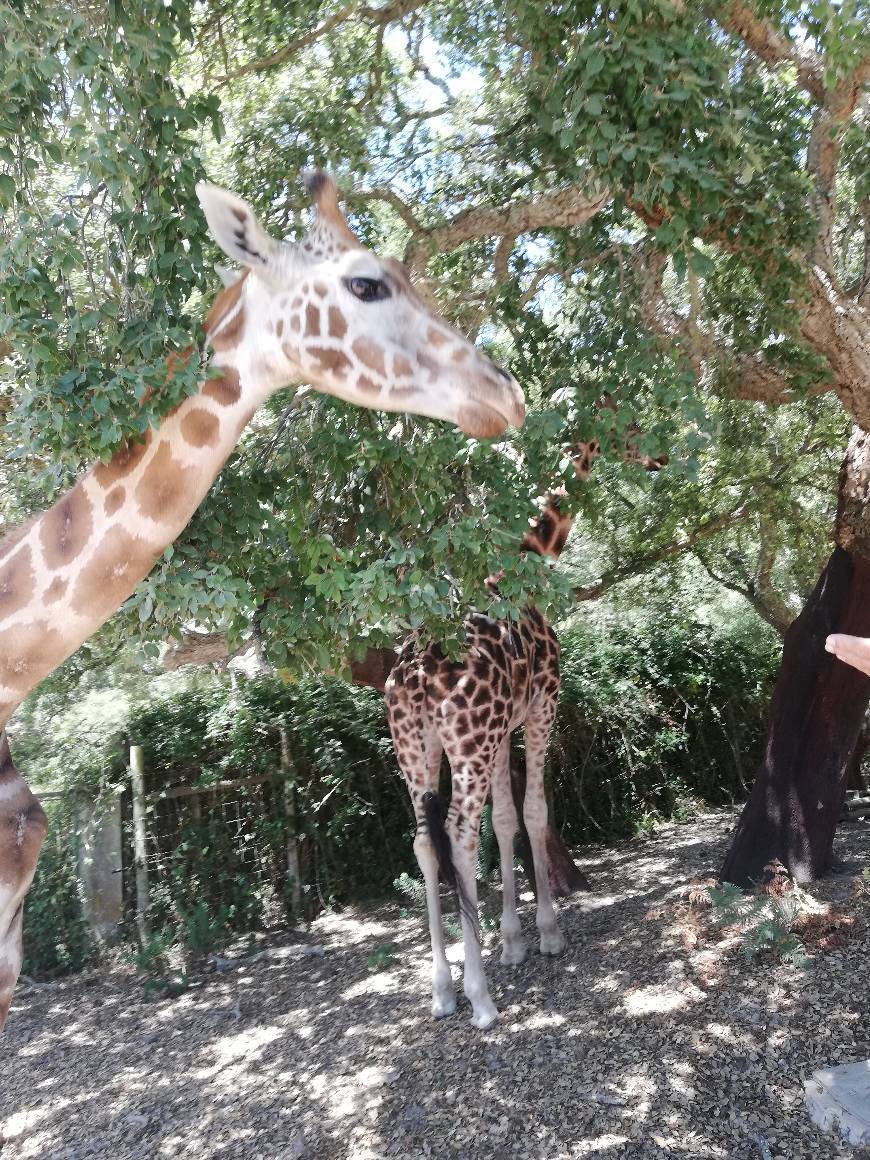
639, 1042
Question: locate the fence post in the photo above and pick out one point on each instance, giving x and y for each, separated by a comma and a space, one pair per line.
99, 864
293, 869
137, 780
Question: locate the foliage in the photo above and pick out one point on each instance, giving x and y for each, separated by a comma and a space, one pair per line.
56, 936
653, 713
334, 528
766, 917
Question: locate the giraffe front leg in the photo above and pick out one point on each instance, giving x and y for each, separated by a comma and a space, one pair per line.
22, 828
418, 751
538, 725
504, 824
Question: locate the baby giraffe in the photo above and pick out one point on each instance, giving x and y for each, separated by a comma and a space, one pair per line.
468, 709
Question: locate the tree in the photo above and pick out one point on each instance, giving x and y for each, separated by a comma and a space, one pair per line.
667, 201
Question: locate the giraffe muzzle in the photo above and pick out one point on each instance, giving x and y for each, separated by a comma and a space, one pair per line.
492, 405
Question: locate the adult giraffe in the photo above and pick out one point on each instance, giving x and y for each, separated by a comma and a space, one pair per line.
327, 312
468, 709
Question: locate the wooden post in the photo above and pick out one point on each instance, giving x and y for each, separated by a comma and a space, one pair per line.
293, 866
137, 780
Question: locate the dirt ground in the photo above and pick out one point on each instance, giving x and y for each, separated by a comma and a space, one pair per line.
634, 1043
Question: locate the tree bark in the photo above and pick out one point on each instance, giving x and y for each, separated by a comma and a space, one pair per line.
818, 707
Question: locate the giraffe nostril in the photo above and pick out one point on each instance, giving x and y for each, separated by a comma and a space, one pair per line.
506, 375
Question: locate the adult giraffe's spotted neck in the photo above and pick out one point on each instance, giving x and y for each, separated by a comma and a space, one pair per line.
327, 312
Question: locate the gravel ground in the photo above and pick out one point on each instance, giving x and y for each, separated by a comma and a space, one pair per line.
635, 1043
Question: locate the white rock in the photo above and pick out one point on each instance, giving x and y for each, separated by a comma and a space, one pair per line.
839, 1098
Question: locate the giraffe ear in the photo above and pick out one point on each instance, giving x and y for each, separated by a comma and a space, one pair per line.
236, 230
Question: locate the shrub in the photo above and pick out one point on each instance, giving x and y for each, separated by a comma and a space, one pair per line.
56, 936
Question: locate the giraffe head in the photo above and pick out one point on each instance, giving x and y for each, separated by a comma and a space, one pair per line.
549, 531
329, 312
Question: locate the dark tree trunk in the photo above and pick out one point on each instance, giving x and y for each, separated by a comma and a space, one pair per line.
565, 876
818, 707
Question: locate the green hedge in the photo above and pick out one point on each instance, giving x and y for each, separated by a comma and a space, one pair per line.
648, 723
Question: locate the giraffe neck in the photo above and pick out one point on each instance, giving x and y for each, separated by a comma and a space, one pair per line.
68, 570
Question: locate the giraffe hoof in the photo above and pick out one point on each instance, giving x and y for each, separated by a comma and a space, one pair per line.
443, 1006
552, 943
484, 1017
513, 955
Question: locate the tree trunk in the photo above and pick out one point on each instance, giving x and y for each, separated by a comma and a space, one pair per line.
818, 707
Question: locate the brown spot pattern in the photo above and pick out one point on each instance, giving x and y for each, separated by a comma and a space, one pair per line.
114, 500
162, 492
229, 336
56, 590
337, 323
312, 320
16, 582
365, 384
111, 574
335, 361
122, 462
224, 303
200, 428
66, 528
401, 365
28, 652
226, 390
369, 353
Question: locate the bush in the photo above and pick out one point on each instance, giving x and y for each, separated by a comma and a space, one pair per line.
56, 936
651, 722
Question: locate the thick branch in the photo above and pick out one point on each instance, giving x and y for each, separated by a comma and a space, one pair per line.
773, 612
392, 199
676, 547
772, 46
560, 209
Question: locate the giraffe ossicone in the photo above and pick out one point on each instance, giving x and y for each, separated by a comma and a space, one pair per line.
325, 311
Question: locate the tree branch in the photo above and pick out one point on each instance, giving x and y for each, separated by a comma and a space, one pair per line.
677, 547
772, 46
560, 209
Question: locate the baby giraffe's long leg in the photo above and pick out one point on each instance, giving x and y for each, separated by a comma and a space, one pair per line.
419, 750
471, 782
504, 824
539, 722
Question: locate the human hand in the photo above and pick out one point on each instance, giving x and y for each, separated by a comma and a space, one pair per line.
854, 650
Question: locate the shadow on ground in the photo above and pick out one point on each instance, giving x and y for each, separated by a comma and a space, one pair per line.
630, 1045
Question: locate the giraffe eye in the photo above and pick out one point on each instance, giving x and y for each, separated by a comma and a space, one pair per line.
368, 289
